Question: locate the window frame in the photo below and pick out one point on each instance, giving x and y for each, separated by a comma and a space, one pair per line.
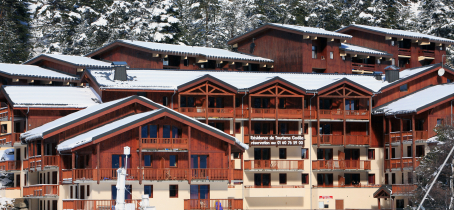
403, 88
304, 178
237, 128
175, 161
283, 177
151, 190
284, 150
307, 156
373, 154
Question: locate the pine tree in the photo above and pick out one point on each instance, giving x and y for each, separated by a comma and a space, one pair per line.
14, 20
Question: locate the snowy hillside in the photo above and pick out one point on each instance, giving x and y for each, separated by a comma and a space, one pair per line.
76, 27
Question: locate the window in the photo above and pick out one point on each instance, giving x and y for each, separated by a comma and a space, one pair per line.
199, 192
237, 128
282, 153
419, 125
262, 153
173, 191
283, 128
393, 153
191, 102
410, 177
71, 195
282, 102
166, 131
186, 62
404, 88
173, 159
371, 154
314, 52
392, 43
199, 161
176, 132
304, 178
147, 160
128, 190
409, 151
420, 151
331, 55
386, 154
324, 154
153, 131
164, 101
144, 132
211, 102
183, 101
88, 190
325, 180
282, 178
262, 180
352, 179
306, 128
393, 178
304, 154
236, 155
165, 61
400, 203
439, 122
148, 190
371, 179
237, 102
351, 104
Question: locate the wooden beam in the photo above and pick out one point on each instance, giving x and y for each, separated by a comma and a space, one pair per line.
140, 154
413, 145
401, 144
98, 158
42, 155
189, 155
73, 165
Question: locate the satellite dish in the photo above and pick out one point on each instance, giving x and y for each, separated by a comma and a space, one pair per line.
441, 72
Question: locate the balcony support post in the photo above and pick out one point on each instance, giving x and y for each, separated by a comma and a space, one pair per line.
98, 159
413, 144
230, 172
12, 129
189, 155
206, 99
302, 116
389, 144
317, 129
401, 145
73, 165
276, 114
140, 149
234, 114
179, 104
36, 152
250, 116
60, 170
370, 121
344, 121
42, 154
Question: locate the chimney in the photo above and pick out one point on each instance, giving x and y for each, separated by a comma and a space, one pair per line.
391, 73
119, 68
378, 75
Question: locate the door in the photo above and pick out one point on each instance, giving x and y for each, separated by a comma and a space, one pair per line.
54, 177
17, 180
54, 205
82, 192
199, 164
200, 195
339, 204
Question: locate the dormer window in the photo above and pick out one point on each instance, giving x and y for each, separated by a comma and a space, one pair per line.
404, 88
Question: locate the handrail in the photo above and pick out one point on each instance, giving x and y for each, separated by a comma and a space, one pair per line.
165, 143
341, 165
274, 164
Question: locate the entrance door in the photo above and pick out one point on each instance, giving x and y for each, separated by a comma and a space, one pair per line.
54, 177
200, 197
339, 204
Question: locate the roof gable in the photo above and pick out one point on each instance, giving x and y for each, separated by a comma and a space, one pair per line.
32, 72
69, 59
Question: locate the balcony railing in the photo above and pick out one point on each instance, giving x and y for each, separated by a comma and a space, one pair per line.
12, 165
348, 186
50, 160
43, 190
220, 112
290, 113
395, 137
331, 114
403, 51
237, 174
341, 165
242, 113
274, 164
26, 164
165, 143
146, 174
9, 139
207, 204
426, 53
193, 112
357, 114
34, 162
363, 66
403, 189
406, 162
263, 113
421, 135
310, 114
328, 139
95, 204
357, 140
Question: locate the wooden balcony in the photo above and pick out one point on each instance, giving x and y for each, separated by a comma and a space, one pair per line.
42, 190
165, 143
363, 66
406, 162
348, 186
34, 162
12, 165
357, 140
310, 114
9, 139
220, 112
273, 165
331, 114
106, 174
395, 137
26, 165
193, 112
426, 53
341, 165
237, 174
328, 139
263, 113
211, 204
403, 189
404, 51
95, 204
242, 113
50, 161
290, 113
357, 114
421, 135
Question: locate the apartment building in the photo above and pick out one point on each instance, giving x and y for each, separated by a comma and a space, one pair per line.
253, 134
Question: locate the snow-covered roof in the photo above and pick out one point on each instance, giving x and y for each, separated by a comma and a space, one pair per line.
359, 49
209, 53
124, 122
172, 79
51, 96
311, 30
74, 60
40, 131
417, 101
400, 33
33, 71
407, 74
